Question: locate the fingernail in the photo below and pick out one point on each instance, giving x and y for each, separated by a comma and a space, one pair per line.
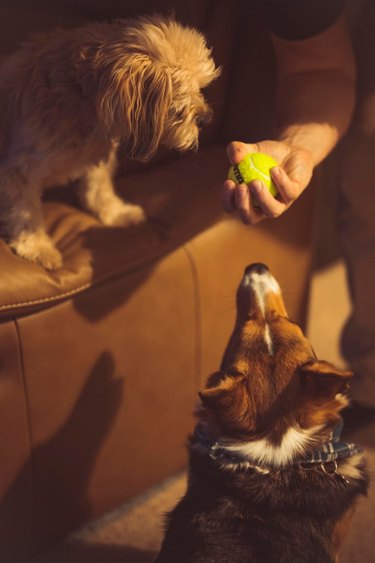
235, 156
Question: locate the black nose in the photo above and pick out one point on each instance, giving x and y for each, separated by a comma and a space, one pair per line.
257, 268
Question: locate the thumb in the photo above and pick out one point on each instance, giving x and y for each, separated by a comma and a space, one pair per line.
237, 151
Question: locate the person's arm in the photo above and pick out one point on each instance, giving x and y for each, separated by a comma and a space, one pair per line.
315, 98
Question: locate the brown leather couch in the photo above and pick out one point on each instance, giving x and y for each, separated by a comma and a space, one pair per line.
100, 362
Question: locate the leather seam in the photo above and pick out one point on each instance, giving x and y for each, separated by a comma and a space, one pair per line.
53, 298
28, 415
76, 290
197, 315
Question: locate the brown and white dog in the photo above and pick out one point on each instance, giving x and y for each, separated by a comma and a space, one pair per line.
270, 481
68, 98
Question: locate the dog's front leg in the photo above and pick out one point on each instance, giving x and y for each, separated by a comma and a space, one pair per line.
21, 221
98, 196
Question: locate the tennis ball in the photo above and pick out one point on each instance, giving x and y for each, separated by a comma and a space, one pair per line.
255, 166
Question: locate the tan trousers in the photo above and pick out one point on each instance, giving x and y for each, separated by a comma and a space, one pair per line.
357, 210
357, 229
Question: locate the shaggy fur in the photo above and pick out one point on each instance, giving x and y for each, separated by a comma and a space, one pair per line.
272, 403
68, 98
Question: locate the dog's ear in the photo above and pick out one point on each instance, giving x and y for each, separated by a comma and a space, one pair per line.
134, 102
322, 380
228, 397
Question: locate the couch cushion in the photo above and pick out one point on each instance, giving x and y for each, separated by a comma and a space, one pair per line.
180, 198
177, 199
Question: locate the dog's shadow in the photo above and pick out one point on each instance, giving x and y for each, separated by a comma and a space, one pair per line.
53, 485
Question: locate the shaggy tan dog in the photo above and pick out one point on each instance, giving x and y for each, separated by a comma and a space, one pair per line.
68, 98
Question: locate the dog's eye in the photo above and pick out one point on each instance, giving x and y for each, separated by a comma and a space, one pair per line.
179, 115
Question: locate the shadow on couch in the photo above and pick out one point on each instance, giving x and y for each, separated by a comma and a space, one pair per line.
64, 482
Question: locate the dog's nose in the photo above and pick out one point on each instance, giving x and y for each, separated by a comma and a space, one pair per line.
204, 118
256, 268
259, 292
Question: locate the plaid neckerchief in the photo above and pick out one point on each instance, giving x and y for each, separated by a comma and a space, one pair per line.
332, 450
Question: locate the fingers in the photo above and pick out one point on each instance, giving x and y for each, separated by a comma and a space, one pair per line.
287, 189
242, 200
254, 202
237, 198
228, 196
269, 206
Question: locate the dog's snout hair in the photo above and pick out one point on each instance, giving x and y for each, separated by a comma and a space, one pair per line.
204, 117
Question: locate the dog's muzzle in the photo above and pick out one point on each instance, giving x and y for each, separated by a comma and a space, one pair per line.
259, 278
259, 291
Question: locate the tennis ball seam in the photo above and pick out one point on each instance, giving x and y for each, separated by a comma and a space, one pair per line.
247, 170
265, 176
240, 178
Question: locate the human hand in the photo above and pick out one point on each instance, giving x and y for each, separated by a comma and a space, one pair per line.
253, 201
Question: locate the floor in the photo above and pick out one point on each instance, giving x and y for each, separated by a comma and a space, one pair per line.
133, 533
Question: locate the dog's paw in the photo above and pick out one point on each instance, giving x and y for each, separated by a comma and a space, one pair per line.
123, 215
37, 247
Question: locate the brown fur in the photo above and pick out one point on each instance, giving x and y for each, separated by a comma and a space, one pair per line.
252, 497
341, 529
70, 97
292, 387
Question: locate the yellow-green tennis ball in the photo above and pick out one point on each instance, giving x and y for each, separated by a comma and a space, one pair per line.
255, 166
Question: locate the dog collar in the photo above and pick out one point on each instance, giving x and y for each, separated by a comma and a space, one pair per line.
326, 458
334, 449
